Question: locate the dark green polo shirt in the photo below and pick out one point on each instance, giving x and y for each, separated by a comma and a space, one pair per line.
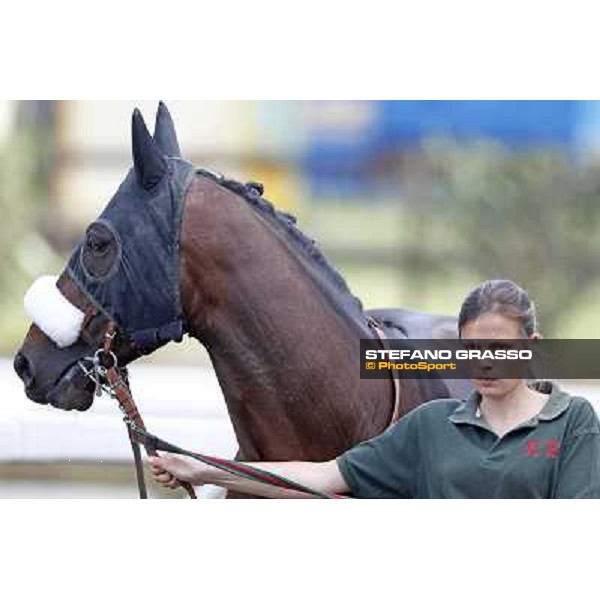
445, 449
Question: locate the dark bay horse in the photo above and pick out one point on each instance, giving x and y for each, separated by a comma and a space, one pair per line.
182, 250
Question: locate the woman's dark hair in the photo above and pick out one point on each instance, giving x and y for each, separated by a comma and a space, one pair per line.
501, 297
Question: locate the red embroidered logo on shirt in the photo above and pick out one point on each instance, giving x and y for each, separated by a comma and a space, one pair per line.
552, 448
532, 447
549, 448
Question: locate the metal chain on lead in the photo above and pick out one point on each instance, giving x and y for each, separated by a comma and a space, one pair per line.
97, 372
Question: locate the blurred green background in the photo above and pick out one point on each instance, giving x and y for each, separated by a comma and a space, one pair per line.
414, 202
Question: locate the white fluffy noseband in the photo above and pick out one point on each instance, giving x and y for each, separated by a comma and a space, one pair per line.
52, 312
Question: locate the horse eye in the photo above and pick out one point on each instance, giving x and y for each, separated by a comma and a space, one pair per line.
100, 251
97, 245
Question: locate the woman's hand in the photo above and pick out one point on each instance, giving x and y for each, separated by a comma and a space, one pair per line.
169, 470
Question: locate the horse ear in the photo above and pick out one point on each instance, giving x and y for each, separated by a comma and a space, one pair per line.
164, 132
149, 163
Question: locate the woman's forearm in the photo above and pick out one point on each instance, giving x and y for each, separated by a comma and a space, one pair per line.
324, 477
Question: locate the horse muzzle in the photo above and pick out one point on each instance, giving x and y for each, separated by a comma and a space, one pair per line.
71, 391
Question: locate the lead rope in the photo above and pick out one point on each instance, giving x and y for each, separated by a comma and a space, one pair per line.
119, 390
117, 387
129, 415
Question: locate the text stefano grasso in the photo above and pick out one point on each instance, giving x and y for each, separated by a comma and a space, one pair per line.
471, 354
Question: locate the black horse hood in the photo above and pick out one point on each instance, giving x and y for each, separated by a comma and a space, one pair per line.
139, 288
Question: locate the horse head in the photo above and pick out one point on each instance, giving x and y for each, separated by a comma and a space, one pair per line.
124, 273
184, 250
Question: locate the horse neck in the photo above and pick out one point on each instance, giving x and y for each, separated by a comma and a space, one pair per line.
285, 356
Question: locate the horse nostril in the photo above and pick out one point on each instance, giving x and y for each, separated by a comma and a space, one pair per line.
23, 368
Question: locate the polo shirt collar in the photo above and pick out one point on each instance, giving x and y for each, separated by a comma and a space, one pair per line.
468, 412
556, 405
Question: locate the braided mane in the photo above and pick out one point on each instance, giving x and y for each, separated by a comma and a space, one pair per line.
252, 193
